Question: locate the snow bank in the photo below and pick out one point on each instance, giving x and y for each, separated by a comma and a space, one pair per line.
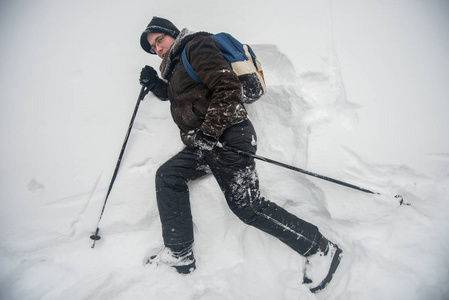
357, 91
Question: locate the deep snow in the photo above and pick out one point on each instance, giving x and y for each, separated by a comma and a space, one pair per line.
357, 91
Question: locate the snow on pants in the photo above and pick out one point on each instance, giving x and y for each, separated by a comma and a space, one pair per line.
237, 177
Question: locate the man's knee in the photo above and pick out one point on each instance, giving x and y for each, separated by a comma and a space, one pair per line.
248, 212
170, 177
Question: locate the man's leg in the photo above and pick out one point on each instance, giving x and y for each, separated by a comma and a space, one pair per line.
238, 179
172, 195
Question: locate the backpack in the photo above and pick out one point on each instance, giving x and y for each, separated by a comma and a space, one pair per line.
242, 61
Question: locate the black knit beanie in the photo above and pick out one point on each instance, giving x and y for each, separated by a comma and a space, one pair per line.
157, 25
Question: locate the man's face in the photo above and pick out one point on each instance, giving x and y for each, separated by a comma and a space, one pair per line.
160, 43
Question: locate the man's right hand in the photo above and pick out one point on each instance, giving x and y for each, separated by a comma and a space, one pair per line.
148, 77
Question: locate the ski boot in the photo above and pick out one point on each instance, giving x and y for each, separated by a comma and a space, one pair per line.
321, 266
183, 261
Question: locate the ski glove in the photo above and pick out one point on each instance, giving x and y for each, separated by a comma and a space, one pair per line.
148, 77
204, 141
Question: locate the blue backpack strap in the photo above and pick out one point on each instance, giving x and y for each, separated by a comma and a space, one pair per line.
231, 48
189, 67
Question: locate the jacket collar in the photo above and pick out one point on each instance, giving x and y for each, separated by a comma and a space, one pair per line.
170, 60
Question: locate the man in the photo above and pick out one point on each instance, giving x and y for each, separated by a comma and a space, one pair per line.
210, 114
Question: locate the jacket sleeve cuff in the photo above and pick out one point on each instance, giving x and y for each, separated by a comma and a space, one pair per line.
160, 90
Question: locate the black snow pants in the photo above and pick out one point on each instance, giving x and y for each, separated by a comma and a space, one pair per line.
237, 178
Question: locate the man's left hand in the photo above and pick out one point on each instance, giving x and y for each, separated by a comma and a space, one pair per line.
204, 141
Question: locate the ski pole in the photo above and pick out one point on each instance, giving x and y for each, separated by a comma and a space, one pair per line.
280, 164
95, 237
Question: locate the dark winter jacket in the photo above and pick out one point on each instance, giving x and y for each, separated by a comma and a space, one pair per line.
211, 107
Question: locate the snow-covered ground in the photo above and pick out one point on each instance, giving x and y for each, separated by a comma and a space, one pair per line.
357, 91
